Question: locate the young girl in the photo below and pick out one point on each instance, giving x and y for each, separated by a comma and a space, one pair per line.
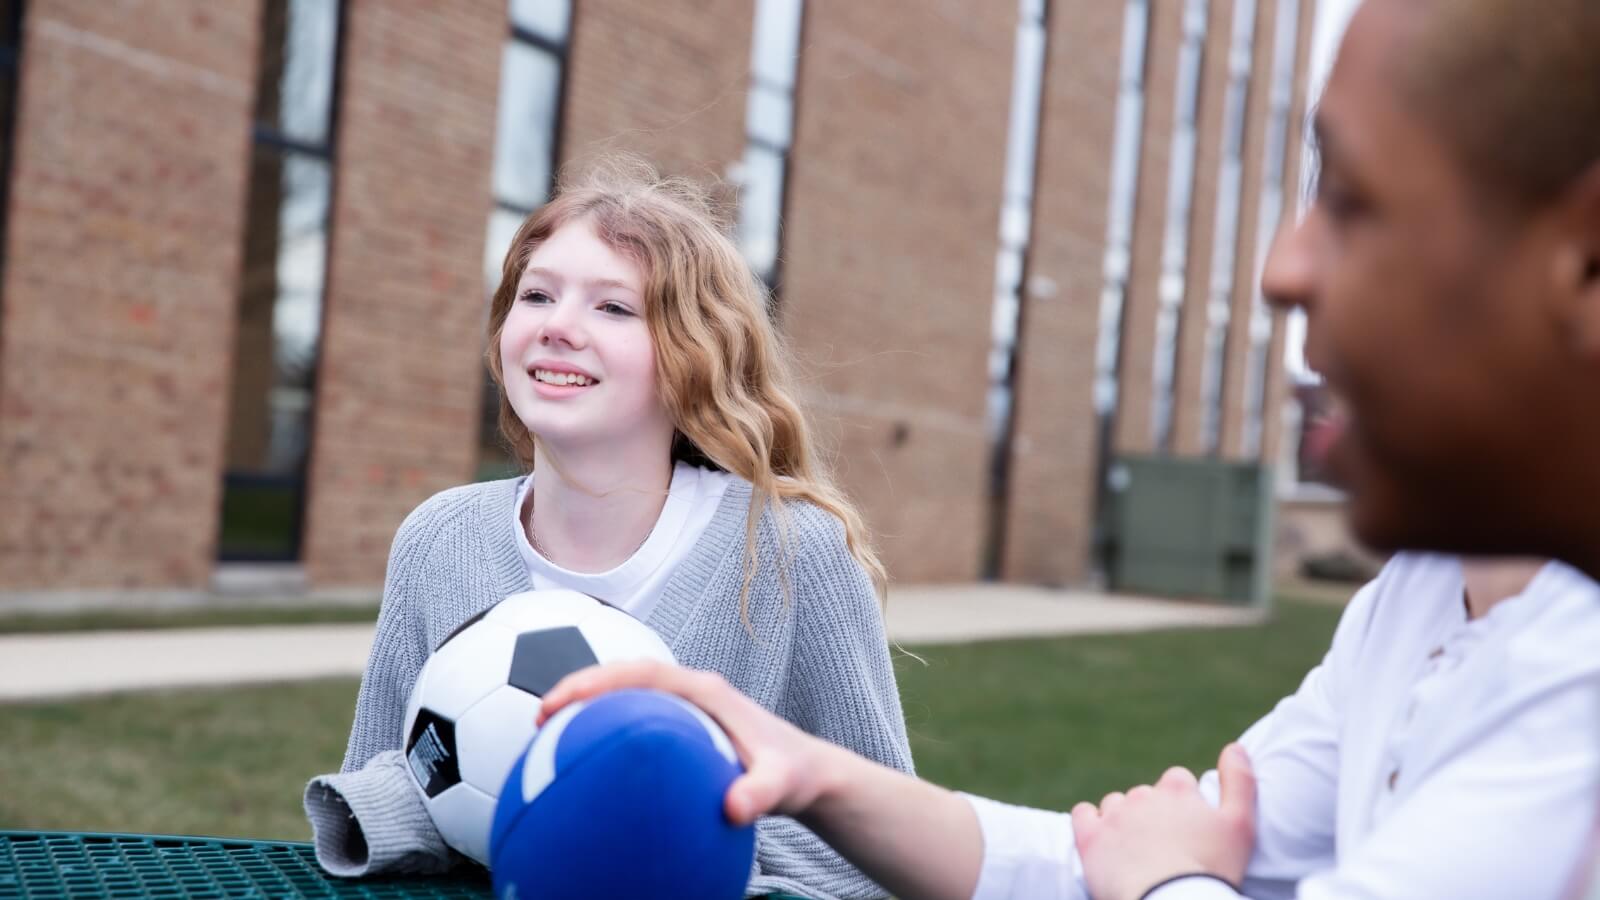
672, 475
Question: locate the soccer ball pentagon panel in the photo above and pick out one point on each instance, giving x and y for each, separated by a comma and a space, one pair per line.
473, 706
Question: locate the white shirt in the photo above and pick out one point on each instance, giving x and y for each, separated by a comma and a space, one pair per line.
1427, 756
635, 585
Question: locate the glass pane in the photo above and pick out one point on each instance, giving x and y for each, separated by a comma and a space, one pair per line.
1022, 137
1107, 346
546, 18
260, 518
275, 352
1016, 221
503, 226
761, 209
770, 115
1175, 240
1135, 28
1125, 148
1166, 357
1007, 278
1226, 232
530, 89
301, 264
1216, 345
1125, 167
495, 459
776, 45
295, 95
10, 16
8, 86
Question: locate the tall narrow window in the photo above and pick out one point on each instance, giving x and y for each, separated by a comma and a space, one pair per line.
769, 133
1119, 221
1272, 194
10, 65
1229, 185
1175, 243
527, 140
1125, 151
281, 285
1016, 225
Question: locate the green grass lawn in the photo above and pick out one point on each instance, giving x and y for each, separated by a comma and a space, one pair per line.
115, 620
1043, 722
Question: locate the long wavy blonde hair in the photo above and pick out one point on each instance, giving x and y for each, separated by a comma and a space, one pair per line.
724, 373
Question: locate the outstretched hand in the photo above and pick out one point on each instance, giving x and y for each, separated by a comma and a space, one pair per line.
781, 768
1134, 841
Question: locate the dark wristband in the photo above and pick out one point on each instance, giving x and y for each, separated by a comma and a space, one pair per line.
1185, 877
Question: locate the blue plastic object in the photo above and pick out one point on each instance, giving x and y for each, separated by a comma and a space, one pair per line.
621, 797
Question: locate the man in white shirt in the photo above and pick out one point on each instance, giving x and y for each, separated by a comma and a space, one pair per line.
1450, 275
1447, 746
1441, 749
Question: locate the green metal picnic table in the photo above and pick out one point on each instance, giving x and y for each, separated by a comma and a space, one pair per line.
61, 865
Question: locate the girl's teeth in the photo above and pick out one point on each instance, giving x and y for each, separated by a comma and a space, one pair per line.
561, 378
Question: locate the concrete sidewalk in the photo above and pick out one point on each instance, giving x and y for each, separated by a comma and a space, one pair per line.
76, 663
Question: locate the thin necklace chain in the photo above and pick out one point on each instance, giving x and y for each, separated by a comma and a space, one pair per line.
533, 533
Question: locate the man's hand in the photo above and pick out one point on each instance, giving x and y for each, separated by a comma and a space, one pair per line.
783, 765
1135, 841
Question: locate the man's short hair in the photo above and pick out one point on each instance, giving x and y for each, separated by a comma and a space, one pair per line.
1513, 86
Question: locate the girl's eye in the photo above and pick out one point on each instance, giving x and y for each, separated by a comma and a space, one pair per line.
1341, 203
615, 308
533, 295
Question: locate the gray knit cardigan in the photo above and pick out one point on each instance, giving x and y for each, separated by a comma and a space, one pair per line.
819, 660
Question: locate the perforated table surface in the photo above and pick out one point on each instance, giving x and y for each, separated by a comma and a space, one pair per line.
54, 865
38, 865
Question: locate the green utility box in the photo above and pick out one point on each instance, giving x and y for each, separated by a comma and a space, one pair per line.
1198, 528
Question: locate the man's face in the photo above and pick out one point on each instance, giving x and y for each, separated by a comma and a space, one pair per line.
1423, 313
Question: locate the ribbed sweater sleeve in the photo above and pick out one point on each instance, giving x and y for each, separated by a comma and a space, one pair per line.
840, 687
369, 817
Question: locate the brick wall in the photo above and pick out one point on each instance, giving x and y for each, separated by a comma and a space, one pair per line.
663, 80
403, 327
132, 157
132, 145
892, 229
1051, 501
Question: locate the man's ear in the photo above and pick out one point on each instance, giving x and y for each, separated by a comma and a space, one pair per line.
1588, 311
1578, 265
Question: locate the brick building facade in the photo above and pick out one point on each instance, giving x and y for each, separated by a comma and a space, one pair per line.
245, 249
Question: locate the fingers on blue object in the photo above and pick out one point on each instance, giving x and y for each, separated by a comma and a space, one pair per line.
622, 796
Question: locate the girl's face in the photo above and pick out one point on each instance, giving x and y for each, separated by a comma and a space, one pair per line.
575, 352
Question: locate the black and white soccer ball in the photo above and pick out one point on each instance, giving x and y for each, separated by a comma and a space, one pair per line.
473, 706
